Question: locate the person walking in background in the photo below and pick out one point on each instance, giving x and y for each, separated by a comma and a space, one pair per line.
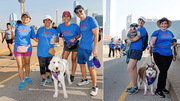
71, 34
161, 41
9, 39
135, 55
88, 47
118, 48
54, 26
111, 47
44, 36
22, 35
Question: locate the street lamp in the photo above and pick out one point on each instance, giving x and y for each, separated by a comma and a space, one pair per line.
22, 5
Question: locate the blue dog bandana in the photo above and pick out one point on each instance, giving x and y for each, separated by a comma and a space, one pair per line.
150, 81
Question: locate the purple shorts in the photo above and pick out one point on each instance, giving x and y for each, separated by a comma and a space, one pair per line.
16, 54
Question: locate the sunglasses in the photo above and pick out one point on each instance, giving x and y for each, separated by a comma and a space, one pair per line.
80, 11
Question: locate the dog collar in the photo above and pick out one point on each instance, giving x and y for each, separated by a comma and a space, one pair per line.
55, 74
150, 81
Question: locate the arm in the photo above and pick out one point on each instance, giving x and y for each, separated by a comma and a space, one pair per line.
13, 32
152, 41
75, 38
95, 31
135, 38
4, 38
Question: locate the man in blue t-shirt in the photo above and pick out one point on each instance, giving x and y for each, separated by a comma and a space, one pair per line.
111, 47
88, 46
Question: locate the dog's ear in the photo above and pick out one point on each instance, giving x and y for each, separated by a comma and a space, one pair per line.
50, 66
64, 65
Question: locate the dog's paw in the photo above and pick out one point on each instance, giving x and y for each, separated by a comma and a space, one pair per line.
65, 96
152, 94
55, 95
145, 94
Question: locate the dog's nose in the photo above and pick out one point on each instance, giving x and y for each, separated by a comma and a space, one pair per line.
56, 68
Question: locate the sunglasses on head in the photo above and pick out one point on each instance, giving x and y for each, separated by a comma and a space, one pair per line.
80, 11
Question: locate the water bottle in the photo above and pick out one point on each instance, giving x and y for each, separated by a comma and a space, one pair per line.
52, 39
96, 62
91, 57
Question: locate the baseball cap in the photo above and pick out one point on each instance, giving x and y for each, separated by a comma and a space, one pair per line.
26, 13
77, 7
143, 18
66, 12
47, 17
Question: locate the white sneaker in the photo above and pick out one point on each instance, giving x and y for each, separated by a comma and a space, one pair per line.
83, 82
94, 91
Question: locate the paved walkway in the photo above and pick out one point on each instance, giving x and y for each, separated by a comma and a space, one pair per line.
9, 82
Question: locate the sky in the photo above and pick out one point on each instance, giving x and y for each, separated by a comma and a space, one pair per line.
39, 8
147, 8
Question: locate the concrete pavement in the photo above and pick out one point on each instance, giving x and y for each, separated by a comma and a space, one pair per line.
9, 82
116, 80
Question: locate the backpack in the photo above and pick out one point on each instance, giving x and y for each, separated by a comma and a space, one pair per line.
145, 42
99, 35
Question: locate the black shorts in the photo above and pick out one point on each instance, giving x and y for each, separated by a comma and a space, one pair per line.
136, 54
119, 49
9, 41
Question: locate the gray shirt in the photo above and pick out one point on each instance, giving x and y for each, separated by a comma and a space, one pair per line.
8, 34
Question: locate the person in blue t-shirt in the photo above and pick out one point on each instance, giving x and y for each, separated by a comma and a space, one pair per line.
88, 45
118, 47
161, 41
23, 35
44, 36
136, 54
70, 32
111, 47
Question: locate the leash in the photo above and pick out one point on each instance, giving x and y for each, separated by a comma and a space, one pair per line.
69, 42
174, 53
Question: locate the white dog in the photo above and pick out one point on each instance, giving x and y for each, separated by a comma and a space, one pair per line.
58, 67
147, 75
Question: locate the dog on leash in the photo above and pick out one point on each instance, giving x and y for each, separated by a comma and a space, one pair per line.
58, 67
147, 75
131, 34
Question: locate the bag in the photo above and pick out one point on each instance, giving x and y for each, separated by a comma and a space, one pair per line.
22, 49
145, 42
51, 51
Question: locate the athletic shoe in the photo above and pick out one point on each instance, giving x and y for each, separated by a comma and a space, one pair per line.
160, 94
28, 80
128, 89
43, 82
165, 91
21, 86
72, 78
48, 79
83, 82
133, 90
94, 91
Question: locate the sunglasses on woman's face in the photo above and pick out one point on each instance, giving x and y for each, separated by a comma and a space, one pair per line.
80, 11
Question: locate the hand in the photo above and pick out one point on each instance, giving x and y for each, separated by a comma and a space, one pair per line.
175, 43
55, 38
12, 29
94, 52
72, 40
151, 45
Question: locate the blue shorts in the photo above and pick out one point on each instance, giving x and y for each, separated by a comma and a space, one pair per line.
135, 54
83, 57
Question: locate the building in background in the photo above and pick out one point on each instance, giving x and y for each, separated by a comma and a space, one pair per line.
75, 19
94, 14
88, 12
99, 19
107, 19
128, 21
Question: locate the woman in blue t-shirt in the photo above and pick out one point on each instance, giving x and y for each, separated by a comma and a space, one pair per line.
22, 36
162, 53
135, 55
71, 34
45, 36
